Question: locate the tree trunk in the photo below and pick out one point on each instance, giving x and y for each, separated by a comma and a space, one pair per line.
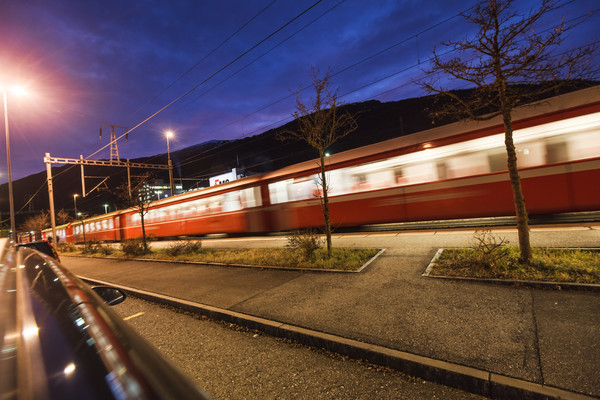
518, 198
511, 160
325, 203
143, 232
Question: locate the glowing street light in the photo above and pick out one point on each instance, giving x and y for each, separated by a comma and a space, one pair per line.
17, 91
169, 134
105, 208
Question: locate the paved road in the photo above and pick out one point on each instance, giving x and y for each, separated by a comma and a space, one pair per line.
548, 337
235, 363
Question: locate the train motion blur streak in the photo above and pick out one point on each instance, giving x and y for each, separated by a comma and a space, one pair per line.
454, 171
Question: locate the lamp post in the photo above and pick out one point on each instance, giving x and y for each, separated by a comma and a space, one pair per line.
168, 135
105, 208
12, 235
80, 216
75, 203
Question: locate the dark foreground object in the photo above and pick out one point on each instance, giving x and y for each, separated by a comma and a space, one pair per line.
60, 340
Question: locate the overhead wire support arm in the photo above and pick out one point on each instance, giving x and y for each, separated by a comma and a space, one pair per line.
81, 161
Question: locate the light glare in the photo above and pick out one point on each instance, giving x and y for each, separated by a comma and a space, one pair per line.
69, 369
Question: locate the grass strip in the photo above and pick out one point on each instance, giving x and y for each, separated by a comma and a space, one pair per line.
556, 265
347, 259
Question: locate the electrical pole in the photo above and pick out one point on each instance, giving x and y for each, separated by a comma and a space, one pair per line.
50, 195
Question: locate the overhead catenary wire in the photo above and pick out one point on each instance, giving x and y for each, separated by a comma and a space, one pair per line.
213, 74
190, 69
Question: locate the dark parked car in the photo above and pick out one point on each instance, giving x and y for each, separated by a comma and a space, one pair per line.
43, 246
60, 340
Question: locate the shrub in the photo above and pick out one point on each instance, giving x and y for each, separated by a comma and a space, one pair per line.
491, 251
134, 247
307, 242
94, 246
183, 248
66, 247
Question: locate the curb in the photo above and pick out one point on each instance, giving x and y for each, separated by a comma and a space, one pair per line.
462, 377
590, 287
272, 267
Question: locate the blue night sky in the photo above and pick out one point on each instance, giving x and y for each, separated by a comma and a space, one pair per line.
119, 62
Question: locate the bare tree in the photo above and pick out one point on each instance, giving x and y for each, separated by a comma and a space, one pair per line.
321, 124
37, 222
509, 62
141, 196
63, 217
41, 221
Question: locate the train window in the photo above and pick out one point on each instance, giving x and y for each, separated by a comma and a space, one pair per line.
232, 201
419, 173
399, 176
467, 165
338, 181
302, 189
359, 182
556, 151
251, 197
215, 204
442, 170
530, 154
497, 159
584, 145
278, 191
380, 179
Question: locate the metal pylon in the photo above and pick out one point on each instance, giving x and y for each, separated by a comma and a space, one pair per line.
114, 150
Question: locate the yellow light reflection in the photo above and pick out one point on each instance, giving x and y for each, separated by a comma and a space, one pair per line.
30, 331
69, 369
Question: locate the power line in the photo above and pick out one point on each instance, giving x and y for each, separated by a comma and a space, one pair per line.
190, 69
267, 52
215, 73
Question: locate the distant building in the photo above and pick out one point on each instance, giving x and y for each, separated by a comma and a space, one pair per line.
162, 189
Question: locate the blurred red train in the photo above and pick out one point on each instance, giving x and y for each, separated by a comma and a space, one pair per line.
454, 171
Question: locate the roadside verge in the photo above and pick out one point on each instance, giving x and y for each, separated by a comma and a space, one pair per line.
510, 282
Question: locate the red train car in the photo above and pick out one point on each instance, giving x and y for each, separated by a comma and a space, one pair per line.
453, 171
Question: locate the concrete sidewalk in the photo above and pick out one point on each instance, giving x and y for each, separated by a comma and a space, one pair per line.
546, 337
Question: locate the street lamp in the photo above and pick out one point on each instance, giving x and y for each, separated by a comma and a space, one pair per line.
13, 232
75, 203
168, 135
105, 208
82, 224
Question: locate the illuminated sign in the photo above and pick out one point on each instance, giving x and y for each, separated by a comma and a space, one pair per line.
223, 178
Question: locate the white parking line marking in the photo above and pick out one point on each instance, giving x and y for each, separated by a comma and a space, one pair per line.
133, 316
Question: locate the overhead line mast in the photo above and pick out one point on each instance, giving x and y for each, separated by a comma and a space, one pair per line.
114, 150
